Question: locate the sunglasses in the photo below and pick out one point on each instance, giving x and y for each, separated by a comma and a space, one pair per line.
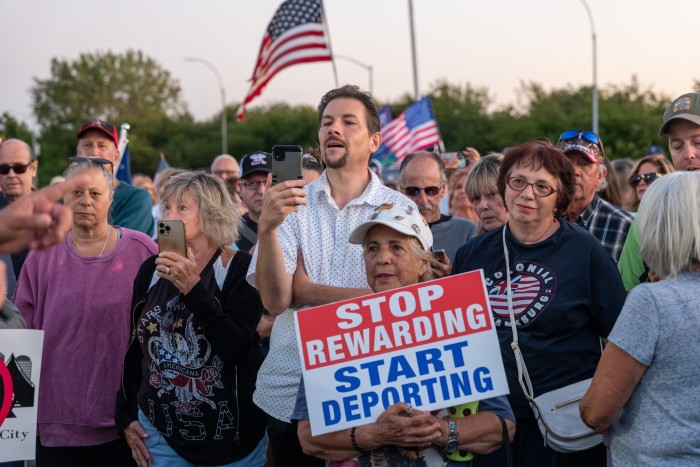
18, 168
415, 191
580, 134
647, 177
95, 160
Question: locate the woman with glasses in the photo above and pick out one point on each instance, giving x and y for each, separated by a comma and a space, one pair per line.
79, 294
190, 369
645, 171
565, 290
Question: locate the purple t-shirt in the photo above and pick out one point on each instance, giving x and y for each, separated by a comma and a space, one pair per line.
82, 303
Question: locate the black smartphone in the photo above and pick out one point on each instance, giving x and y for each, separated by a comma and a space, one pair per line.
286, 163
439, 255
171, 236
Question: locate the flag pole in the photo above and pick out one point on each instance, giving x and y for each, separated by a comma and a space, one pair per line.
413, 50
123, 141
328, 36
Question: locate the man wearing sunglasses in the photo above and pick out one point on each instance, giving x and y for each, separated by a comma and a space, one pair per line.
422, 178
17, 171
608, 223
681, 124
131, 206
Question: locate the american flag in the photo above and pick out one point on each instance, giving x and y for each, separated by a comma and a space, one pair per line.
413, 130
295, 35
525, 290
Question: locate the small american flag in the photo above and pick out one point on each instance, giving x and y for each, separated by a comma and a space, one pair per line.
525, 290
413, 130
295, 35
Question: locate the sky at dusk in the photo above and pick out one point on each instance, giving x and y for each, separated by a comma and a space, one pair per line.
496, 45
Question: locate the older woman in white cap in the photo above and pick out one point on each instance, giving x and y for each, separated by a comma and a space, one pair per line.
397, 243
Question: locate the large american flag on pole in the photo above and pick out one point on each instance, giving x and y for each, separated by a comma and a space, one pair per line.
295, 35
415, 129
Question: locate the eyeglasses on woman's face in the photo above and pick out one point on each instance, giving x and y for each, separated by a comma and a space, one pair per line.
540, 189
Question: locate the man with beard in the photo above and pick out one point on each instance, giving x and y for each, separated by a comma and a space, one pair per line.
303, 257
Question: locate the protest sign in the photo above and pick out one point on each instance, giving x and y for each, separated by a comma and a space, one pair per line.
432, 345
20, 366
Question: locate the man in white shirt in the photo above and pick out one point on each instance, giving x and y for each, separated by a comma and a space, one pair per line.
303, 257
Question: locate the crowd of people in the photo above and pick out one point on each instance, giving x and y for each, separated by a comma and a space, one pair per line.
158, 358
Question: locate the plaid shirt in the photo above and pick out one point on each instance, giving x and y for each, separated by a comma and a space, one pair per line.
607, 223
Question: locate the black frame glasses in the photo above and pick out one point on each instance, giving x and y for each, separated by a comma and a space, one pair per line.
540, 189
647, 177
253, 185
414, 191
17, 168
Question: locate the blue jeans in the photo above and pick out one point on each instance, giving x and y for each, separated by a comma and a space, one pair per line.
163, 455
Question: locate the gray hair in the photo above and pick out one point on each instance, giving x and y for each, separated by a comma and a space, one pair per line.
483, 176
220, 218
423, 155
417, 250
669, 223
88, 163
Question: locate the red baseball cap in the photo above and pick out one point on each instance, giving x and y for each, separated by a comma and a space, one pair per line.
101, 125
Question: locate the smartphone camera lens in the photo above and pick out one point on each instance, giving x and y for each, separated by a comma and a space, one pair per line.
162, 231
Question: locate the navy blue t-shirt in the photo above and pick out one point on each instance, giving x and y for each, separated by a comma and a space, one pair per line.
567, 293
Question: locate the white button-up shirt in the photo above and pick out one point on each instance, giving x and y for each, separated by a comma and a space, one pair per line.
320, 230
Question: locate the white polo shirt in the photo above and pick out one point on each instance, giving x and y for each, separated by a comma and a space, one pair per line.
320, 230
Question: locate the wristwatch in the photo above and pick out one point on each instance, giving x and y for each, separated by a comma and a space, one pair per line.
452, 438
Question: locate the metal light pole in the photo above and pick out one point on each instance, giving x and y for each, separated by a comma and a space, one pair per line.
224, 135
369, 69
595, 68
413, 50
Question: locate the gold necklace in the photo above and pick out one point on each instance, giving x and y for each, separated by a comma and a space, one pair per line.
109, 230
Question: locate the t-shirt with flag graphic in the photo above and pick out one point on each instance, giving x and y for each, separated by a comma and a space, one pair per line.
566, 294
188, 388
415, 129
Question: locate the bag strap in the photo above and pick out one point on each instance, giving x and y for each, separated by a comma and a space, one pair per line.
506, 442
523, 376
248, 233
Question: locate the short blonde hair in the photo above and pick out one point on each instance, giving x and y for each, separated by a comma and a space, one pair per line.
669, 223
220, 219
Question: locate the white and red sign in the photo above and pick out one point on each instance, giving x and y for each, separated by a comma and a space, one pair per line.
20, 366
432, 345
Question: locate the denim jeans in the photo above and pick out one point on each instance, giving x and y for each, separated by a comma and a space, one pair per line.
163, 455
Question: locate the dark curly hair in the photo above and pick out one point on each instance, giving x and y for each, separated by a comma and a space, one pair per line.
350, 91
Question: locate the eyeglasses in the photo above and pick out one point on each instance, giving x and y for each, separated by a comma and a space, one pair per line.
540, 189
647, 177
252, 184
96, 160
415, 191
18, 168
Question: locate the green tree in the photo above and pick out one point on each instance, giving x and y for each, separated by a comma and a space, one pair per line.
129, 87
10, 127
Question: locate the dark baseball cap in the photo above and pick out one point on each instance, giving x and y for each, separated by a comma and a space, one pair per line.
685, 107
101, 125
256, 162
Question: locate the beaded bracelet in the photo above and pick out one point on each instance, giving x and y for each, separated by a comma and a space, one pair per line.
353, 441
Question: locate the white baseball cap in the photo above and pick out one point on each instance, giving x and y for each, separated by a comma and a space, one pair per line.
404, 219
